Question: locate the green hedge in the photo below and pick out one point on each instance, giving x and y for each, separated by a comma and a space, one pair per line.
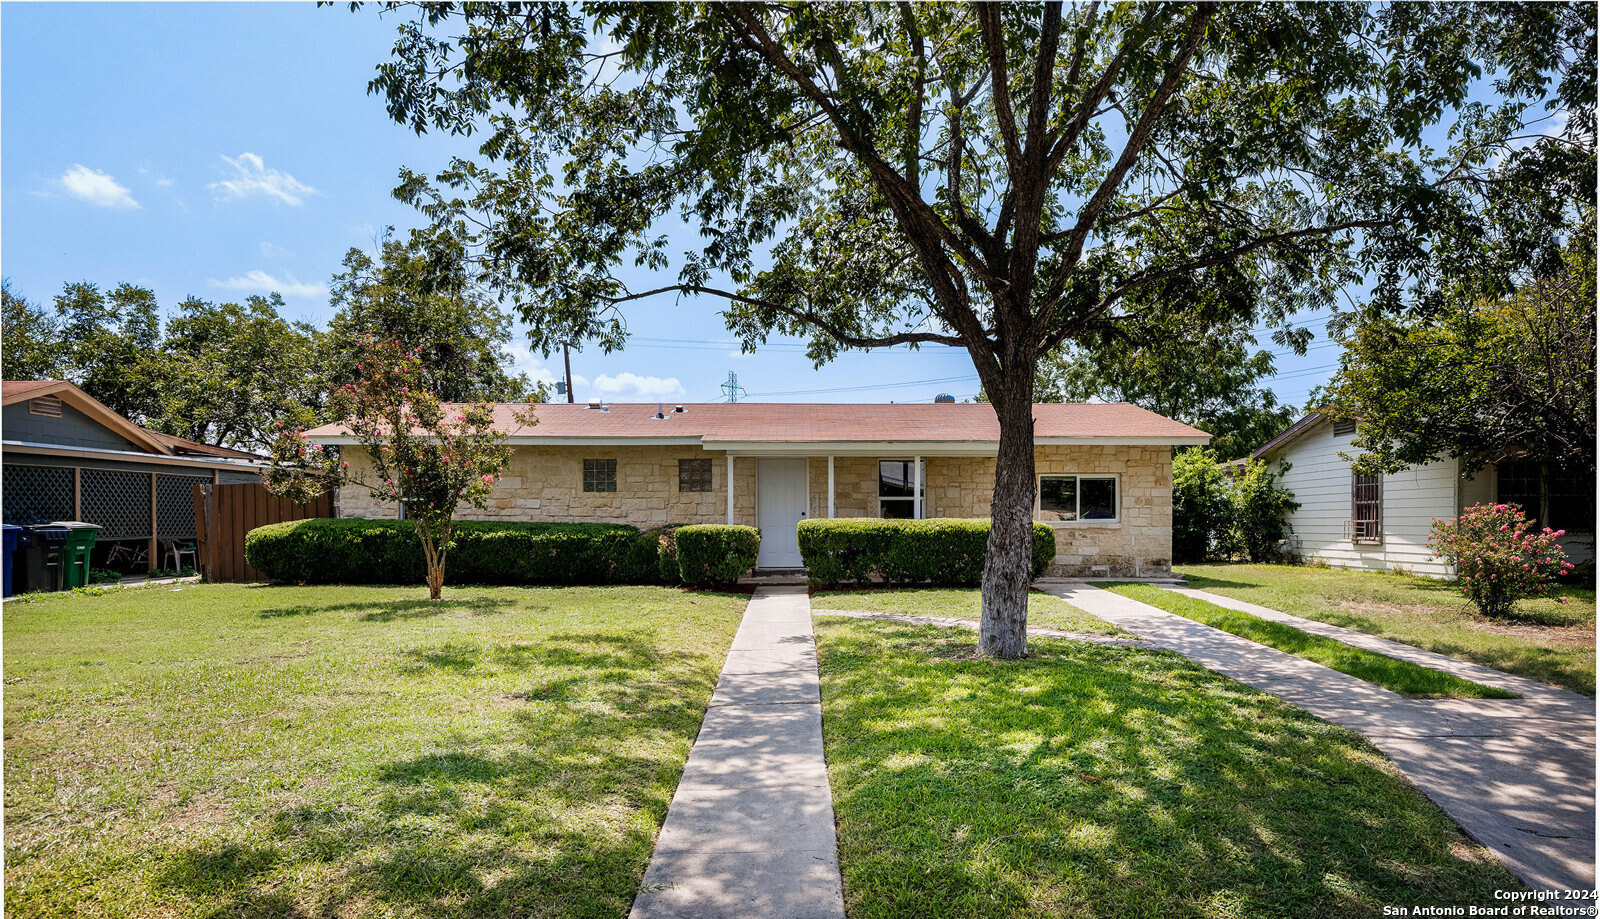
942, 551
351, 551
667, 552
712, 555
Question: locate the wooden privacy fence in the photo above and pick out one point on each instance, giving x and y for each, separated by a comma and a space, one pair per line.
224, 513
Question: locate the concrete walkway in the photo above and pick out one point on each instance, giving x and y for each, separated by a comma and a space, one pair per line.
1517, 774
750, 831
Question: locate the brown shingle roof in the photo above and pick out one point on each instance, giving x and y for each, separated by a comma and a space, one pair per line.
10, 389
754, 422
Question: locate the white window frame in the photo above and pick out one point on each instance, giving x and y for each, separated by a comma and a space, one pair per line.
1038, 498
919, 475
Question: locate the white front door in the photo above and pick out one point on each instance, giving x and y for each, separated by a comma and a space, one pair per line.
780, 505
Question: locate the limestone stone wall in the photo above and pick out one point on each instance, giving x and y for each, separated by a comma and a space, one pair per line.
1139, 542
546, 483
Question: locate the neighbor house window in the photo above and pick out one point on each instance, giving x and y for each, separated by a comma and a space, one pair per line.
1564, 500
694, 475
599, 475
1077, 497
897, 497
1366, 508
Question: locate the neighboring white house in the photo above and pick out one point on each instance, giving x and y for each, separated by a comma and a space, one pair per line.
1381, 523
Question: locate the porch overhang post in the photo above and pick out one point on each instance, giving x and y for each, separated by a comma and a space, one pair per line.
916, 485
730, 489
830, 486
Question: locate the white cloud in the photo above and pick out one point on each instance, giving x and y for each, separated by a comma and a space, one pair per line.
258, 281
523, 360
622, 387
631, 386
252, 177
274, 251
160, 181
95, 187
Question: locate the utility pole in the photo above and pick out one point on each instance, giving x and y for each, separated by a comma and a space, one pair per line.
566, 358
732, 389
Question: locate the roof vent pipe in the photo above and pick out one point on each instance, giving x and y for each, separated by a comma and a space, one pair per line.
678, 410
660, 415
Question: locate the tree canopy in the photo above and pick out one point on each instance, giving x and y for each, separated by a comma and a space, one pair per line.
1005, 178
1482, 380
233, 373
1208, 378
462, 335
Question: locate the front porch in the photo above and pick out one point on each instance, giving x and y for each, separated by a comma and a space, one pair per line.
1109, 505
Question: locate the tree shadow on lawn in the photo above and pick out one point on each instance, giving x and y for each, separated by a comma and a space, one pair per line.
1111, 781
551, 812
391, 610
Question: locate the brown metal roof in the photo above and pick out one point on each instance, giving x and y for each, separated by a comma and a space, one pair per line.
755, 422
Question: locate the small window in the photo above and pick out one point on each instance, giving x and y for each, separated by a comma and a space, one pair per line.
897, 498
1344, 426
49, 406
1077, 497
694, 475
599, 475
1517, 482
1366, 508
1571, 500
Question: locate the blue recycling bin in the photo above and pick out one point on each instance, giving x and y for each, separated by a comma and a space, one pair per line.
12, 536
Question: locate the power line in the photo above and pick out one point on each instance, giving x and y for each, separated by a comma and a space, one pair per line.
864, 388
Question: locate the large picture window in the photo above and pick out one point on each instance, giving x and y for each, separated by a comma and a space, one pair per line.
1078, 497
1556, 498
897, 497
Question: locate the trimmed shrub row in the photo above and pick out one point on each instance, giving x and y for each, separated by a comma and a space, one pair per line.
711, 554
946, 552
354, 551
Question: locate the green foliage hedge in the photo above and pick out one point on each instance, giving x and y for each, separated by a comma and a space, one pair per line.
712, 555
352, 551
943, 551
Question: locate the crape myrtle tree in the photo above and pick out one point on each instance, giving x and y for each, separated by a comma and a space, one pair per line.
429, 456
1004, 179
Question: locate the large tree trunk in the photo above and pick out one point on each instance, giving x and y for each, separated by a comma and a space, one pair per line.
1007, 569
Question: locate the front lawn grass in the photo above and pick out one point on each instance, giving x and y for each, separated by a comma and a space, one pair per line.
1549, 640
1044, 610
1403, 677
1090, 780
228, 750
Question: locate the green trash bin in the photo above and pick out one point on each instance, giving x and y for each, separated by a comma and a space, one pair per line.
75, 554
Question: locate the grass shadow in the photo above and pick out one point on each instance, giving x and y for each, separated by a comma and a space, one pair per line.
1111, 781
393, 610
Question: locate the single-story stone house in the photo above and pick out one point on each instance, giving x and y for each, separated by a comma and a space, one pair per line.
1104, 471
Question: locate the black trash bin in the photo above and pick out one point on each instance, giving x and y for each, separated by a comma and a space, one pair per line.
44, 556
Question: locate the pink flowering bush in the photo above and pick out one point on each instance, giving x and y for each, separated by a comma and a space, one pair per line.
428, 457
1498, 558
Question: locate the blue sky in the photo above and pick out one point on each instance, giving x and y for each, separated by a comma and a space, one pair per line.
220, 150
